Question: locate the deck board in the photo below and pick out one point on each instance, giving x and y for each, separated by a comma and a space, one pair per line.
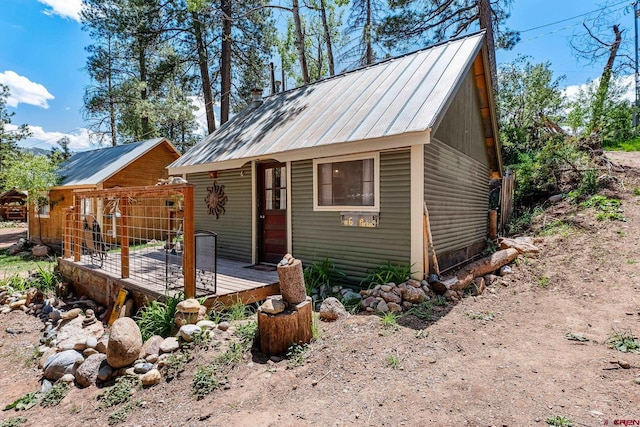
148, 268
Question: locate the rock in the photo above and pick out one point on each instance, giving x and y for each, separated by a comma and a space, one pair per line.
87, 373
624, 364
125, 343
386, 288
206, 324
187, 332
332, 309
223, 326
152, 346
392, 306
202, 313
45, 356
14, 249
490, 279
105, 371
169, 345
391, 297
414, 283
555, 198
152, 358
89, 318
187, 312
142, 368
413, 295
523, 245
17, 304
67, 378
59, 364
382, 306
273, 306
505, 269
34, 296
40, 251
102, 345
350, 295
80, 345
46, 386
368, 302
442, 286
71, 332
71, 314
90, 351
91, 342
151, 378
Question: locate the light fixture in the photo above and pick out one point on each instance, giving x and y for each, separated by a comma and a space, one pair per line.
213, 174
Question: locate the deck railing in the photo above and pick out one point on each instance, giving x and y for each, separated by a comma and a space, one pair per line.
132, 231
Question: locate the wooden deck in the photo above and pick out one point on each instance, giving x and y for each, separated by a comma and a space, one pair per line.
155, 274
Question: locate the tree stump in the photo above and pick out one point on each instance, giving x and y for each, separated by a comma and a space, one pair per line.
292, 282
277, 332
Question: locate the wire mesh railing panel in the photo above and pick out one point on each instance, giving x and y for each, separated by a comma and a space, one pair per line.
135, 233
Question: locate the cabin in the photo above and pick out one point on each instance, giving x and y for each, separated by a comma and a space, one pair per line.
13, 205
136, 164
348, 167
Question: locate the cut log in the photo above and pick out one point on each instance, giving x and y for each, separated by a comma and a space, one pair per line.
483, 266
465, 276
277, 332
292, 282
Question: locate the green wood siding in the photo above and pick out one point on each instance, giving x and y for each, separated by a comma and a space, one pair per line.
461, 127
316, 235
457, 195
234, 226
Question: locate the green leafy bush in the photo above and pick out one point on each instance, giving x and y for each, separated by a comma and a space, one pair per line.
322, 273
386, 273
157, 318
607, 208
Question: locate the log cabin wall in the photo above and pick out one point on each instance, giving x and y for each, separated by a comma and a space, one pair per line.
53, 223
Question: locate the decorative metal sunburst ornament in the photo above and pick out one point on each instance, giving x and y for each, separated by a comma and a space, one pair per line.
216, 199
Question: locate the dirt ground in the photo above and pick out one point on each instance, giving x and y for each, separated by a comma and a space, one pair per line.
499, 359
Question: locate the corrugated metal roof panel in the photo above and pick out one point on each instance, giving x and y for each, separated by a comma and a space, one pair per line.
94, 166
394, 97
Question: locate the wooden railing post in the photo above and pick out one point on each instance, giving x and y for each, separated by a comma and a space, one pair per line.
124, 237
77, 229
189, 256
67, 232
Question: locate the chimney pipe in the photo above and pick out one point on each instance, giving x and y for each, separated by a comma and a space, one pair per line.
256, 97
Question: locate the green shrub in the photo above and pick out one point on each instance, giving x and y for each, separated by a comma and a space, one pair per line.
322, 273
297, 355
387, 273
157, 318
13, 422
120, 393
247, 334
610, 209
46, 279
54, 395
204, 382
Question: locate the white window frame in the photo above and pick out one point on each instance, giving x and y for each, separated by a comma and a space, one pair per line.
376, 183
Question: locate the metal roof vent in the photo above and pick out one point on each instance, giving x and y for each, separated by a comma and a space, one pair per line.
256, 97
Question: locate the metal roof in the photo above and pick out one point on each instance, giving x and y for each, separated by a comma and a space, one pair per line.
95, 166
397, 96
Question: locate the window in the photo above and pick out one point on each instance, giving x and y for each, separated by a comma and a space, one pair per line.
347, 183
43, 209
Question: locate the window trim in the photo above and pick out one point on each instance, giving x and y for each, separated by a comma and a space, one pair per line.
37, 213
351, 157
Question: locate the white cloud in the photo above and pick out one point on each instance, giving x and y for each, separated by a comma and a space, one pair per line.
24, 90
201, 115
625, 82
79, 139
64, 8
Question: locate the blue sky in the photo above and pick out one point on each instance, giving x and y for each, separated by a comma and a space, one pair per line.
42, 57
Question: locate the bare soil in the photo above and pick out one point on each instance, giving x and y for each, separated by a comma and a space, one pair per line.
499, 359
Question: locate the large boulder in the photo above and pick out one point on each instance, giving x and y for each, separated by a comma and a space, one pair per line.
65, 362
71, 332
125, 343
332, 309
87, 373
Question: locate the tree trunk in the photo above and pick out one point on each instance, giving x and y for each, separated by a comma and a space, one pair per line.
327, 37
486, 23
112, 102
605, 80
291, 280
300, 42
204, 72
277, 332
142, 63
367, 35
225, 66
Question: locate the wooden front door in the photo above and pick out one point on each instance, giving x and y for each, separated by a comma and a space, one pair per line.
272, 212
